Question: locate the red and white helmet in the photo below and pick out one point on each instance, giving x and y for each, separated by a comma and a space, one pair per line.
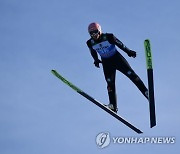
93, 27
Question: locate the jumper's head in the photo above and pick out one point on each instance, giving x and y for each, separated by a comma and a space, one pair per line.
94, 30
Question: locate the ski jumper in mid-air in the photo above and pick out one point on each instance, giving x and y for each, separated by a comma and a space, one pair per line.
105, 45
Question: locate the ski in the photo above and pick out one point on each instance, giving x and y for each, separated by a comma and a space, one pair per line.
149, 65
99, 104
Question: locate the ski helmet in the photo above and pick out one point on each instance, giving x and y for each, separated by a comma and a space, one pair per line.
94, 27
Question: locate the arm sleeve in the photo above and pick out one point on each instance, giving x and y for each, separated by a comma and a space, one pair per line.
118, 43
92, 51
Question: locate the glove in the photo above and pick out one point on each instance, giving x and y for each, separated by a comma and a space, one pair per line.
131, 53
96, 63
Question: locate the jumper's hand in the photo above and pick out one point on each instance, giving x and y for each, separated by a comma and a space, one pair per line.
96, 63
132, 53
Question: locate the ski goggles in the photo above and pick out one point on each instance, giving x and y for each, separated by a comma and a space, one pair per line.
94, 32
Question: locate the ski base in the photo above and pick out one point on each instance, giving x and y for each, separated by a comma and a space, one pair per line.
99, 104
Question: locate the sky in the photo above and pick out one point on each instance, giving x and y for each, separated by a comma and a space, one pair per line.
40, 114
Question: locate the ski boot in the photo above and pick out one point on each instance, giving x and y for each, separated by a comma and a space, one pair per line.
111, 107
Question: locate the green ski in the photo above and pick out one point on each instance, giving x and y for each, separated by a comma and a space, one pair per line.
148, 54
115, 115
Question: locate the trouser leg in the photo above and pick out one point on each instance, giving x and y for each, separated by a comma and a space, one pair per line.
112, 92
138, 82
126, 69
110, 74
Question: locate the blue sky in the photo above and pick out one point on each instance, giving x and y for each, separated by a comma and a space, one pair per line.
39, 114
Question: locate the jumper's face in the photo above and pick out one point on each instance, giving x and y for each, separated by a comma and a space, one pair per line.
95, 34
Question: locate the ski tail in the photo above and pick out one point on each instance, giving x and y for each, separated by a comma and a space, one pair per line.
149, 65
95, 102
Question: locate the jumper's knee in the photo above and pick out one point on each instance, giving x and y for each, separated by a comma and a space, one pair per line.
133, 76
